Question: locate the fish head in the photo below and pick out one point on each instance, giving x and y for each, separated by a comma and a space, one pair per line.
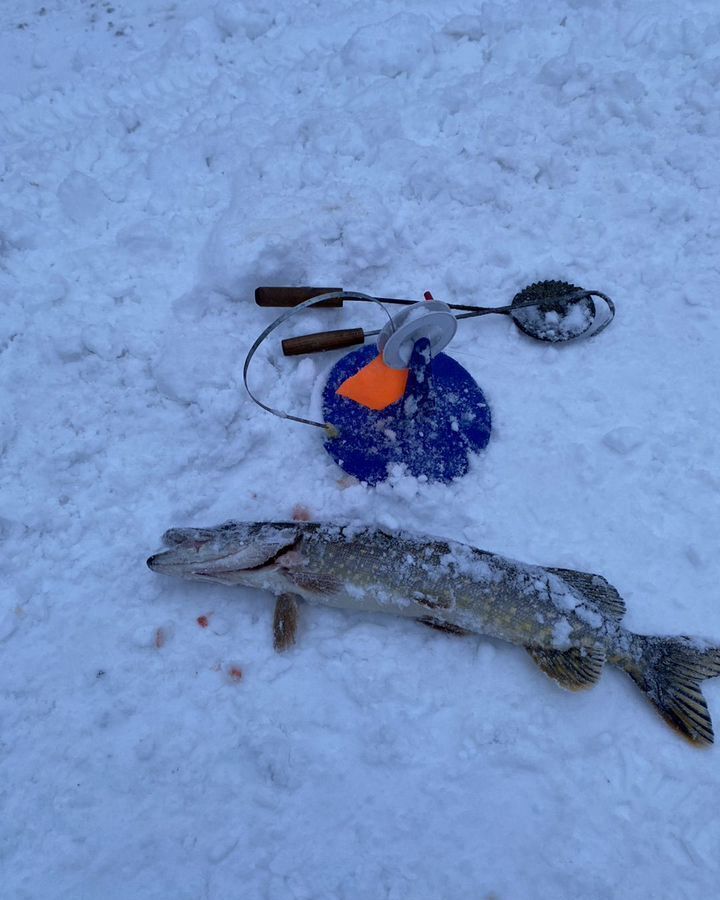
232, 553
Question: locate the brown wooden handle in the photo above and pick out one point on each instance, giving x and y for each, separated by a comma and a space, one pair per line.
292, 296
323, 340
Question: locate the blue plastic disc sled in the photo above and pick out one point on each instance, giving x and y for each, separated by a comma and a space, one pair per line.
431, 430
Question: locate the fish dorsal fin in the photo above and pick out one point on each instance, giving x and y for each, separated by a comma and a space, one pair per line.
575, 669
596, 589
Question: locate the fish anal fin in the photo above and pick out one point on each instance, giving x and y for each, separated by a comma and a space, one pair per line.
596, 589
575, 669
285, 621
447, 627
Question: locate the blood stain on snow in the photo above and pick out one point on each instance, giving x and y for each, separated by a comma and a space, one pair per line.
235, 673
301, 513
160, 637
203, 621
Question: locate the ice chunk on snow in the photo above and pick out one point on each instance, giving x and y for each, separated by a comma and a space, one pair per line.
624, 439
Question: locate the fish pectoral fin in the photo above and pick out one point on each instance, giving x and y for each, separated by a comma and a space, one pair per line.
285, 622
439, 625
575, 669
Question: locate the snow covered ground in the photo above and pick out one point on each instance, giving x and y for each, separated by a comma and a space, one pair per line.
158, 161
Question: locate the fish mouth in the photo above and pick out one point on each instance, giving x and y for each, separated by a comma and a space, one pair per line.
171, 562
198, 553
185, 553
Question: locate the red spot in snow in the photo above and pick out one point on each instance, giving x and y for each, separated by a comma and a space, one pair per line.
160, 637
301, 513
235, 673
203, 621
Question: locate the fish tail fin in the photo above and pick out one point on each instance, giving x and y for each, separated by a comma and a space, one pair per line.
669, 670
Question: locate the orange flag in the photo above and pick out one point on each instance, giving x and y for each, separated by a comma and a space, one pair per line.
376, 385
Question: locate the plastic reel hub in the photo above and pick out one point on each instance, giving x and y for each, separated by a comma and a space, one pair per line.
431, 319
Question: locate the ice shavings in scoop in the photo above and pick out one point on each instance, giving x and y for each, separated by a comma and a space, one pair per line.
553, 324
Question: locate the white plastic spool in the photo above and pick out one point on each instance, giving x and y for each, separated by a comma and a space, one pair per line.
431, 319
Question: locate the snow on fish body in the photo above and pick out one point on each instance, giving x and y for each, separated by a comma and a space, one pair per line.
569, 622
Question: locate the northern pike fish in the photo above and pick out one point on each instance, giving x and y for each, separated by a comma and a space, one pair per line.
569, 622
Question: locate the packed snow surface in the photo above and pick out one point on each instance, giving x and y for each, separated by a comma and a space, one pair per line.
160, 160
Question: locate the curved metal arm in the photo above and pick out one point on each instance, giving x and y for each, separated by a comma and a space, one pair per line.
335, 295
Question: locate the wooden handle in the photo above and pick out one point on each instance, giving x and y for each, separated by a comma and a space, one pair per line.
292, 296
323, 340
